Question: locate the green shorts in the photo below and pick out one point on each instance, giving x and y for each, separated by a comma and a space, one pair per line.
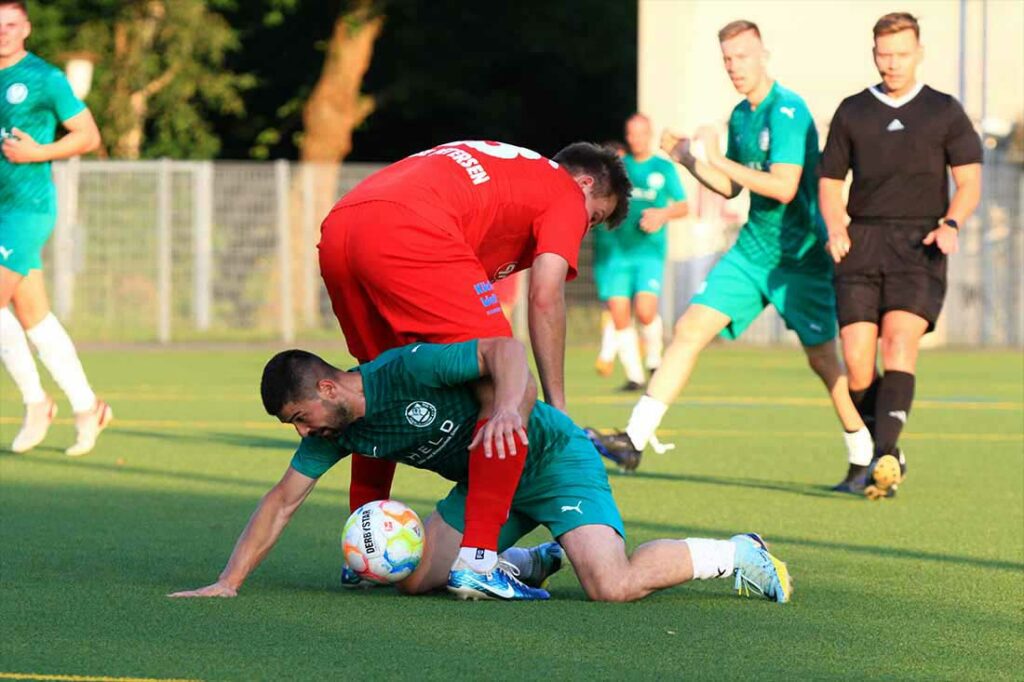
22, 237
565, 493
741, 289
626, 276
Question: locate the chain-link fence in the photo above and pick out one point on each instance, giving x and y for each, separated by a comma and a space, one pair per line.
174, 251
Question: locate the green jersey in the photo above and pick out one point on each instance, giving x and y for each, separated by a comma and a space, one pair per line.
421, 410
779, 130
655, 185
34, 97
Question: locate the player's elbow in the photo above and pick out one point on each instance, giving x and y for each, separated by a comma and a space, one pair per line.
546, 299
92, 141
786, 193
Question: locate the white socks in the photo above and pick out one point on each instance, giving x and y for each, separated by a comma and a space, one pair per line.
859, 446
711, 558
17, 358
57, 353
644, 421
653, 337
629, 354
609, 342
480, 560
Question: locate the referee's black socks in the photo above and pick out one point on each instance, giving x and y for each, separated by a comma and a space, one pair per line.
895, 394
866, 400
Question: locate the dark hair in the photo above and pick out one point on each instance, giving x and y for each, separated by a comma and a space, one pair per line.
605, 166
291, 375
20, 4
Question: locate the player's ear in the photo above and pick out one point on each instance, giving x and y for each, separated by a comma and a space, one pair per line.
327, 389
585, 181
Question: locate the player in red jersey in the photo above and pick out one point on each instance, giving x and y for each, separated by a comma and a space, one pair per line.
410, 254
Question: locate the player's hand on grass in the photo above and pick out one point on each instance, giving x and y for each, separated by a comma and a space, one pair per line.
21, 148
499, 434
838, 243
652, 220
945, 237
218, 589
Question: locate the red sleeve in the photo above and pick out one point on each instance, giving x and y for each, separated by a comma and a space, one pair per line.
560, 229
371, 480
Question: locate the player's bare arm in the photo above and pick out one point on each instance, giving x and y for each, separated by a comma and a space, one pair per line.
967, 179
547, 324
679, 149
833, 210
82, 137
261, 533
780, 183
514, 394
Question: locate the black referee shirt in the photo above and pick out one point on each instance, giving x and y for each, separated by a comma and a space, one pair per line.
899, 151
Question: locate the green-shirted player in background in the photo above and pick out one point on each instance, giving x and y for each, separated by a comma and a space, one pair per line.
632, 274
779, 257
34, 98
418, 405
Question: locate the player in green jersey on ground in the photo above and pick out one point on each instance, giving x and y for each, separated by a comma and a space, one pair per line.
418, 405
633, 272
779, 257
34, 98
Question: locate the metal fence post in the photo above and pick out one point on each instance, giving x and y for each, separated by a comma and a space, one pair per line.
63, 238
163, 255
202, 224
284, 251
310, 271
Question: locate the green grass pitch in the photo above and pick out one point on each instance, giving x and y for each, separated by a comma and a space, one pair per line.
927, 586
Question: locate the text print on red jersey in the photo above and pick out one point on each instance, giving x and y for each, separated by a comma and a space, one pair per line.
498, 150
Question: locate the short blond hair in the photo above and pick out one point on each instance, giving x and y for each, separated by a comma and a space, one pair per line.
895, 22
734, 28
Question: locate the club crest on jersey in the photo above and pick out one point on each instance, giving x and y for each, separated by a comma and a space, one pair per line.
420, 413
504, 271
16, 93
764, 140
655, 180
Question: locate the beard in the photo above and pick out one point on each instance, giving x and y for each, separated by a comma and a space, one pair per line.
339, 416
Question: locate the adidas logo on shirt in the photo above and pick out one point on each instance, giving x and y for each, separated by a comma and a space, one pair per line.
894, 125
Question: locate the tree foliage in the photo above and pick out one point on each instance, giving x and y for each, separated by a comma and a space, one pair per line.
160, 72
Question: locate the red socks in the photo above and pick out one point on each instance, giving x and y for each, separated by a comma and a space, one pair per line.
492, 485
371, 480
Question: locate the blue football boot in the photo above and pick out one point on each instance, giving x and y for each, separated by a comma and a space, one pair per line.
499, 583
617, 447
759, 571
350, 580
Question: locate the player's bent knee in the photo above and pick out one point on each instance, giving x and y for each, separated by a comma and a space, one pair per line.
609, 589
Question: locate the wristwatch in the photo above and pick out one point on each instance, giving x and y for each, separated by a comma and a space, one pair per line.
952, 223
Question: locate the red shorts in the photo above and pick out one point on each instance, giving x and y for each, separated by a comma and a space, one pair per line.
395, 278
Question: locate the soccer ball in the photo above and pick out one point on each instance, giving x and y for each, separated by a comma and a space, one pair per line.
383, 541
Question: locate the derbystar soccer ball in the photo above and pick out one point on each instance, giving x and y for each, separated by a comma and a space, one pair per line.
383, 541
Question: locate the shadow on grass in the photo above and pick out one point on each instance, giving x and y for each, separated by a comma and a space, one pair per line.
242, 440
810, 490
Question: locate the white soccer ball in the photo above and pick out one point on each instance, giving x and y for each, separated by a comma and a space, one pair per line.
383, 541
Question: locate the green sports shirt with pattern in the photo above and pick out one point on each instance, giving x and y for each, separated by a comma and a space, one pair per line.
779, 130
656, 184
421, 410
34, 97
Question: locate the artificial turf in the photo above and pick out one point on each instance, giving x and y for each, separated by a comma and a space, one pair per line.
927, 586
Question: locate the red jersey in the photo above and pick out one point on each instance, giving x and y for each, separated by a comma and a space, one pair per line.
508, 203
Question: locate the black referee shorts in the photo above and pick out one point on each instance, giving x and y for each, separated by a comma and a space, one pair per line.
888, 268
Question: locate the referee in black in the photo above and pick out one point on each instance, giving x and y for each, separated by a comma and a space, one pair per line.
898, 137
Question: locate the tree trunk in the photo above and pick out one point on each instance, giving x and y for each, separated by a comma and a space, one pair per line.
334, 109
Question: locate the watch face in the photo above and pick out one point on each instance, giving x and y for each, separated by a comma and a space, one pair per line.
952, 223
